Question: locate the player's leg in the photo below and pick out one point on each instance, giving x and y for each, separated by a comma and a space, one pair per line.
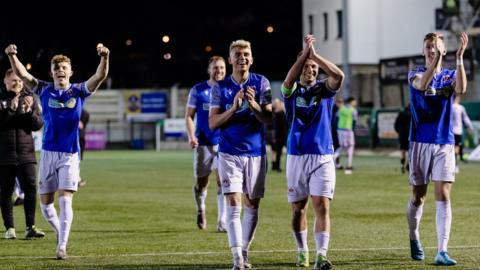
350, 142
414, 215
68, 176
7, 183
221, 206
300, 231
443, 175
202, 169
322, 186
230, 170
443, 222
47, 186
419, 156
298, 170
200, 195
254, 186
321, 206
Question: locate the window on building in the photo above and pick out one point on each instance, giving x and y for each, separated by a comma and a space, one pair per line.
310, 24
325, 23
339, 24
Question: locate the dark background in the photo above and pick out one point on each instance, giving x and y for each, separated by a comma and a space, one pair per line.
44, 28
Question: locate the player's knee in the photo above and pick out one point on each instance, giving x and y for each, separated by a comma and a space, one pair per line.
418, 200
299, 213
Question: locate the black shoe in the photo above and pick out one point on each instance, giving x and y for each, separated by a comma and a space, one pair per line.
34, 232
18, 201
201, 220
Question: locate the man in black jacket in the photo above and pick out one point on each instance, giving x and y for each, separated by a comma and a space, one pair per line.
20, 114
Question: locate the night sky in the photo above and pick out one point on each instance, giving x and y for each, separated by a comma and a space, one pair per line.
41, 31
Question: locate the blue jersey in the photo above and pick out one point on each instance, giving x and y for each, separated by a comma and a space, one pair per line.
199, 98
432, 108
61, 115
243, 134
309, 113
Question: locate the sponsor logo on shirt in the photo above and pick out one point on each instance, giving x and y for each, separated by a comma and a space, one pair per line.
206, 106
54, 103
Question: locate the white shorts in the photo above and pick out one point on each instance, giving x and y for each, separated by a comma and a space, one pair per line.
310, 175
205, 159
58, 170
346, 138
431, 162
242, 174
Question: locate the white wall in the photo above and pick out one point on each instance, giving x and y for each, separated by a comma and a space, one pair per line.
377, 28
332, 48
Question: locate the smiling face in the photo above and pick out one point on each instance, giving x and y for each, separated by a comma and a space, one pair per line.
13, 83
430, 44
309, 72
216, 69
240, 56
61, 71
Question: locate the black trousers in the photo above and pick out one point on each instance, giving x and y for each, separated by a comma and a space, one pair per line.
27, 180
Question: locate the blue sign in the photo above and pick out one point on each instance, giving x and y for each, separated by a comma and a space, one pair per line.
153, 102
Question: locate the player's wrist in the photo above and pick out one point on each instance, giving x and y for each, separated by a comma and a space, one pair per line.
459, 61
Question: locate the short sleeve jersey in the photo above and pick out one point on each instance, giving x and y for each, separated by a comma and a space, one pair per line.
199, 98
309, 113
61, 115
432, 108
244, 134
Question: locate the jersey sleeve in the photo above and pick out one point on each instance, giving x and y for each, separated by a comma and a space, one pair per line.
40, 86
82, 89
215, 96
192, 98
321, 88
265, 92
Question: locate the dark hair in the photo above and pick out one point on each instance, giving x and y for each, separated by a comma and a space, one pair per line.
432, 36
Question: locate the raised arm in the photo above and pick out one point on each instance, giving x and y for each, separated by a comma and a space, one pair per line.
422, 81
102, 70
297, 67
335, 74
19, 69
460, 84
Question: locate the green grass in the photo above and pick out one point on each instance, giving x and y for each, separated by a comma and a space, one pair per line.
137, 212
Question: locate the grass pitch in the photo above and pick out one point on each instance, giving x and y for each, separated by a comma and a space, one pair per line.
137, 212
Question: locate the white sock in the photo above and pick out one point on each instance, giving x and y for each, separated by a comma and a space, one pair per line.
301, 239
200, 198
237, 255
50, 214
350, 150
321, 241
249, 226
222, 205
414, 214
444, 222
66, 217
234, 226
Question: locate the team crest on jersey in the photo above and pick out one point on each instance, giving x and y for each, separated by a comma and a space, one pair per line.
206, 106
54, 103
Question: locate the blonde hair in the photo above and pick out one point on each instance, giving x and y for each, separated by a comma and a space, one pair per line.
240, 43
59, 58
